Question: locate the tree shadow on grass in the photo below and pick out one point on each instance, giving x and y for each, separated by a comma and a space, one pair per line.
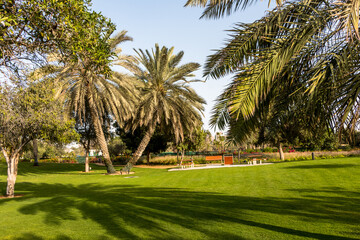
162, 213
26, 168
323, 166
31, 236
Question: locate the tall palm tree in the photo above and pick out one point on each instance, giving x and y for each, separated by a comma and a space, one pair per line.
167, 99
84, 88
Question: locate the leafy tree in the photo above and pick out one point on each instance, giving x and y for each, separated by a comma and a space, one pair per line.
157, 143
192, 141
33, 29
167, 99
116, 147
27, 113
30, 29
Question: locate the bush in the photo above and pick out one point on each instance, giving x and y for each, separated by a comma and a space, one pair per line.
163, 161
57, 160
249, 150
121, 160
269, 149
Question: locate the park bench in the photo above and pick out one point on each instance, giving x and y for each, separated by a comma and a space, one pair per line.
187, 163
214, 158
255, 159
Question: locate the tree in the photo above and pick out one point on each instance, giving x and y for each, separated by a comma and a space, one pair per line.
157, 143
167, 99
193, 141
84, 86
26, 113
30, 29
87, 135
116, 147
346, 13
304, 45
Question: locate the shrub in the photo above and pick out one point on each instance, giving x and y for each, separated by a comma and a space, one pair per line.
269, 149
122, 160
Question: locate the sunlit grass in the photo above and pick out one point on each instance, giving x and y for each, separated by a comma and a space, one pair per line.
295, 200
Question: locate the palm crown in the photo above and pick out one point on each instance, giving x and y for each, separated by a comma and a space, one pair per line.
85, 89
166, 99
166, 96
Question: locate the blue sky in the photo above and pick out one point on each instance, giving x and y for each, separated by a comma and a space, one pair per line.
168, 23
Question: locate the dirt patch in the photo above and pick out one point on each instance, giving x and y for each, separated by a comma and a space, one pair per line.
103, 164
143, 166
15, 196
156, 166
119, 173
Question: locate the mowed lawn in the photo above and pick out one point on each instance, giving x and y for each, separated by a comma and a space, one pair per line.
317, 199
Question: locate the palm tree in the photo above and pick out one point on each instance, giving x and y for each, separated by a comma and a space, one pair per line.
84, 88
167, 99
346, 12
302, 45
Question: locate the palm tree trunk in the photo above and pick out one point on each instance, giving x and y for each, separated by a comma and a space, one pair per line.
100, 137
35, 152
281, 152
141, 148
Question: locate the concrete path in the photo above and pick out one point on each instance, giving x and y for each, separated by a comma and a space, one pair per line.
217, 166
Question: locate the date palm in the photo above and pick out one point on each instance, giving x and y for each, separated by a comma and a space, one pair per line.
167, 99
84, 88
303, 44
346, 12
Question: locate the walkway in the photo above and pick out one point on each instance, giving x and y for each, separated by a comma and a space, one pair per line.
217, 166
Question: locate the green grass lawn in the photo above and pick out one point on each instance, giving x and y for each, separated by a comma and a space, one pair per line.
295, 200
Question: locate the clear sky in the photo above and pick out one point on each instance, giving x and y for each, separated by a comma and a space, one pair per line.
168, 23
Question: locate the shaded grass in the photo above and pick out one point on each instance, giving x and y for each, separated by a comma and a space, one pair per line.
295, 200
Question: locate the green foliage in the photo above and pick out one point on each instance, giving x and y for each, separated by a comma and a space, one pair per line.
193, 141
116, 147
33, 27
167, 99
269, 149
29, 113
122, 160
292, 73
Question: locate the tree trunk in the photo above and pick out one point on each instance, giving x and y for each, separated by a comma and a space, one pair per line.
281, 152
100, 137
177, 156
87, 166
182, 156
148, 157
87, 155
141, 148
35, 152
12, 165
